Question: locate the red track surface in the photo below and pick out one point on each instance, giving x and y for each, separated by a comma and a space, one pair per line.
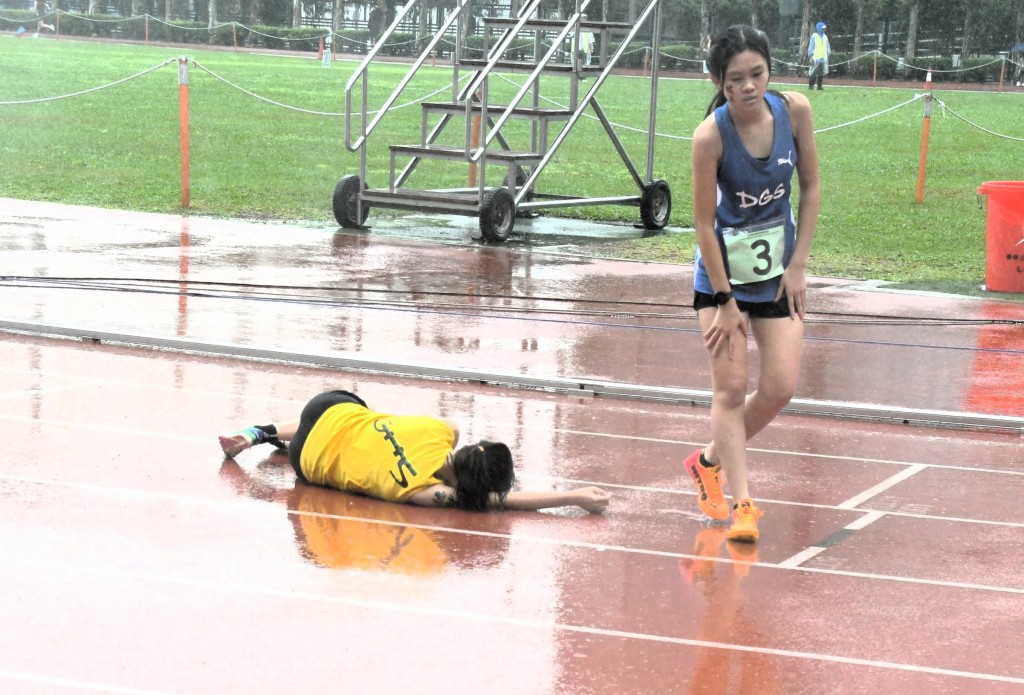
136, 560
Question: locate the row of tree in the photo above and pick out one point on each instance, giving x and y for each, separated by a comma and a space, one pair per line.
902, 27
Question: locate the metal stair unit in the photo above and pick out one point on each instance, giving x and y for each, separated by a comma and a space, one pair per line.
497, 207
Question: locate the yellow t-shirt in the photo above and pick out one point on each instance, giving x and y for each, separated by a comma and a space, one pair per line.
385, 456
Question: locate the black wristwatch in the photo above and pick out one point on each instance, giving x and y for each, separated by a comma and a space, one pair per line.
720, 298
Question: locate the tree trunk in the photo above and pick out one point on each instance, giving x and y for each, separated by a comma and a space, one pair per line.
337, 16
706, 7
632, 11
965, 48
1020, 24
296, 14
805, 30
213, 16
755, 13
859, 29
94, 7
915, 14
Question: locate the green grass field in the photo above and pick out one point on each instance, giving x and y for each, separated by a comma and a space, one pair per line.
118, 147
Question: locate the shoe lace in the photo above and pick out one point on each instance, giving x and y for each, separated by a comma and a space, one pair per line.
747, 512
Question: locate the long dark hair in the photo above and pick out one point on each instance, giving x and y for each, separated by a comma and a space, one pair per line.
480, 470
734, 40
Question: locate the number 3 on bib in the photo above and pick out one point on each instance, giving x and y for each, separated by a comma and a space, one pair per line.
755, 252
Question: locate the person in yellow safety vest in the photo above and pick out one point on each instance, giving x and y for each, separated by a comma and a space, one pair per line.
818, 50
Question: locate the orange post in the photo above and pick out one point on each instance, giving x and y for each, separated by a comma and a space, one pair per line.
874, 70
183, 118
924, 136
1002, 73
147, 29
234, 36
320, 53
645, 61
475, 142
56, 32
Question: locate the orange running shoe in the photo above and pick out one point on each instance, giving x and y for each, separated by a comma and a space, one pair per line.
744, 522
709, 487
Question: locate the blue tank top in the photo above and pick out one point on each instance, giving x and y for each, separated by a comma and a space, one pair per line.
753, 193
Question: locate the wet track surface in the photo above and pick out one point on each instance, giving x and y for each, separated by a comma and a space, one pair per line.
136, 559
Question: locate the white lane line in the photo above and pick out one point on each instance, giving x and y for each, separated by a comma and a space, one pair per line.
814, 550
799, 454
35, 678
448, 613
581, 482
627, 437
802, 557
34, 392
889, 482
241, 505
869, 518
180, 437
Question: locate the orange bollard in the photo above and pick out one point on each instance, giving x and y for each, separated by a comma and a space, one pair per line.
925, 130
183, 118
646, 52
874, 71
320, 53
147, 29
474, 143
1002, 73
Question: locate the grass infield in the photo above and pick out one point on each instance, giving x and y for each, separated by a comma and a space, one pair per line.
118, 147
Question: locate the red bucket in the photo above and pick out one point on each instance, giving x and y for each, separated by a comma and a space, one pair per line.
1004, 235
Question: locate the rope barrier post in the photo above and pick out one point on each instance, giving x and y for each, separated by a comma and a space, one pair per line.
474, 143
183, 118
874, 71
234, 35
924, 136
647, 52
1002, 72
57, 28
147, 29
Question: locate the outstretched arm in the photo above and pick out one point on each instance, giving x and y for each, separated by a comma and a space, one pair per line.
590, 498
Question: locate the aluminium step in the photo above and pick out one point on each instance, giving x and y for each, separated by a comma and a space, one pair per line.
450, 152
520, 66
423, 201
528, 112
556, 25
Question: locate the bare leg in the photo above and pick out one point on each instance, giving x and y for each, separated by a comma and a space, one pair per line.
728, 416
779, 342
286, 430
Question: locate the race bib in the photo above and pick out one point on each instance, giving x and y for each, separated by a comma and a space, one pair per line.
755, 252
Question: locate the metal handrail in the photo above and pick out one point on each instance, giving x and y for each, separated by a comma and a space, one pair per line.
572, 26
590, 96
363, 70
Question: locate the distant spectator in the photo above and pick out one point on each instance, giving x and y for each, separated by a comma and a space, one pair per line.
818, 50
375, 24
42, 11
